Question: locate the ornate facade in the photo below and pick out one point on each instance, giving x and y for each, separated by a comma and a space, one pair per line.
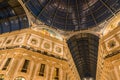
109, 46
29, 54
59, 39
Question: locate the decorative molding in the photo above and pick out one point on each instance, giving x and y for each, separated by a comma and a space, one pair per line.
20, 39
112, 54
34, 40
58, 48
34, 50
47, 45
9, 41
2, 39
111, 44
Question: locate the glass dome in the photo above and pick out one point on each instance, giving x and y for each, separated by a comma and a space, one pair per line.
71, 15
12, 16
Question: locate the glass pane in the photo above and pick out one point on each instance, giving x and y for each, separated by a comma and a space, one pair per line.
25, 66
42, 69
56, 74
6, 64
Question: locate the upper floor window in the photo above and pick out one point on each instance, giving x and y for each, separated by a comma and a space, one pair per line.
20, 78
25, 66
42, 70
6, 64
1, 76
56, 74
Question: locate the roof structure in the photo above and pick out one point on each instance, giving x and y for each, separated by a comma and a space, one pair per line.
84, 50
72, 15
66, 15
12, 16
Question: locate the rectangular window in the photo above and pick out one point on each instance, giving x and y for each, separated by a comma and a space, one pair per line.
6, 64
25, 66
1, 76
56, 76
42, 70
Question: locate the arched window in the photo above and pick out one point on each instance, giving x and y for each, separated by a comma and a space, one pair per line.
20, 78
1, 76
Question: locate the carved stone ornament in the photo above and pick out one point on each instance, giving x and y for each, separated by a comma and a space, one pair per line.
111, 44
46, 45
58, 49
33, 41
